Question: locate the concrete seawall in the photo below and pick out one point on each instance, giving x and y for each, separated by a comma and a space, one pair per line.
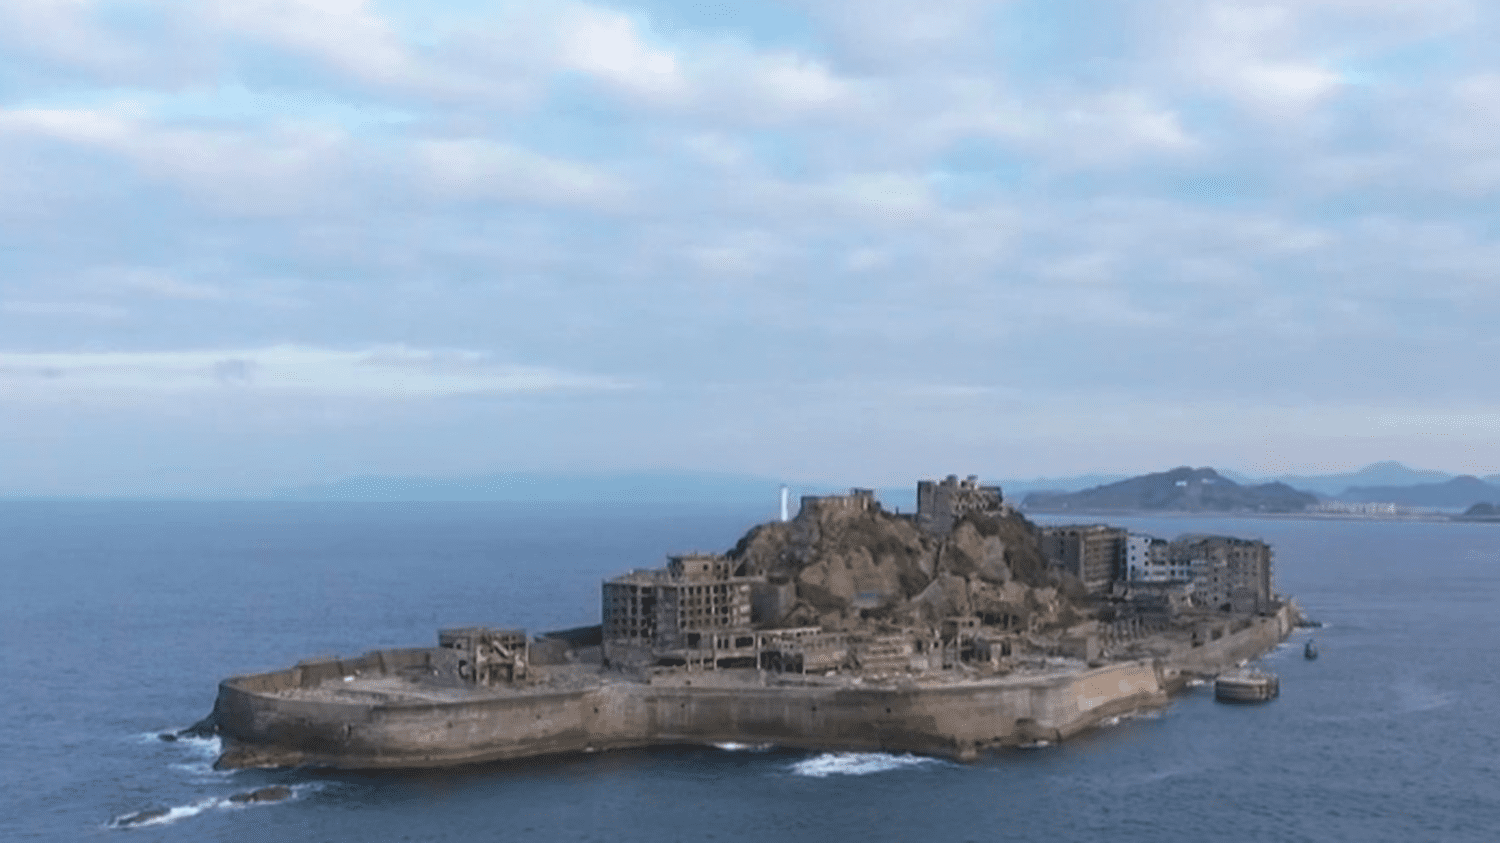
265, 723
263, 729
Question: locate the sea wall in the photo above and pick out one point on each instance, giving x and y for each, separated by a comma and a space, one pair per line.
266, 723
263, 728
956, 719
1259, 637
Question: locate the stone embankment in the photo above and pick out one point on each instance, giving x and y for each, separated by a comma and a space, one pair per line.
350, 714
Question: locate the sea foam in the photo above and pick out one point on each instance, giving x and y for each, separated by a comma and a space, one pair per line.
745, 747
171, 815
857, 764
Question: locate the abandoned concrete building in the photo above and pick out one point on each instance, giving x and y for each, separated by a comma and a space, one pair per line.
697, 614
1148, 559
1227, 573
1221, 572
1094, 553
942, 502
484, 656
858, 500
694, 612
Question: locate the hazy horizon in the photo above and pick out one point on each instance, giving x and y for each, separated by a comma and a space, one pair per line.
702, 486
248, 245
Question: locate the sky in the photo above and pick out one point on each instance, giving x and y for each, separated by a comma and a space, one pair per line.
249, 244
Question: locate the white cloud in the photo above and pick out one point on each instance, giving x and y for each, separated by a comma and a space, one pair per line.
481, 168
1251, 52
94, 311
610, 46
381, 372
157, 283
71, 33
903, 33
246, 170
347, 34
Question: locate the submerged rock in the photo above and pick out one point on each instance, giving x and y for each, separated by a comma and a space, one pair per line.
140, 817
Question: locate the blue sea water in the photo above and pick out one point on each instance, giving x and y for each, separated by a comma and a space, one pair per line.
119, 619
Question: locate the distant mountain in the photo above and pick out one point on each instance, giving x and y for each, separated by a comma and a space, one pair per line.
1458, 493
547, 487
1179, 490
1018, 489
1388, 473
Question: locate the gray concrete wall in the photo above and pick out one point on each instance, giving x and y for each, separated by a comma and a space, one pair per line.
1215, 656
263, 726
262, 729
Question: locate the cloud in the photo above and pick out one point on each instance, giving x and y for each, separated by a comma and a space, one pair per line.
157, 284
609, 46
1180, 199
383, 372
246, 170
887, 34
94, 311
480, 168
73, 35
348, 35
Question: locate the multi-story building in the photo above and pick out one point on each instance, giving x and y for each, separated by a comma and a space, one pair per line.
940, 503
1227, 573
650, 611
1148, 559
1094, 553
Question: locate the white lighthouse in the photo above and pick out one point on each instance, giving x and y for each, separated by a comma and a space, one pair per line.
786, 498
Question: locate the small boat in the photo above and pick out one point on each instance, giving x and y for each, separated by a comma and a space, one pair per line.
1246, 686
1310, 651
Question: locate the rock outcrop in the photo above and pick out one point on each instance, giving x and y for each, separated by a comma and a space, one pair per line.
857, 565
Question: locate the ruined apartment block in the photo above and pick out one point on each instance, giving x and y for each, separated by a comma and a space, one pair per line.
1094, 553
940, 503
1228, 573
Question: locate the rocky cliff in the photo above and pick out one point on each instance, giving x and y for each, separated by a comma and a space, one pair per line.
854, 568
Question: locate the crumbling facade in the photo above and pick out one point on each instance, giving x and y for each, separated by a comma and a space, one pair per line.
1148, 559
484, 656
940, 503
695, 598
1221, 572
858, 500
1094, 553
1228, 574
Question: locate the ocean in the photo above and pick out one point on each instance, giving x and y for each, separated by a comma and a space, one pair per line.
119, 619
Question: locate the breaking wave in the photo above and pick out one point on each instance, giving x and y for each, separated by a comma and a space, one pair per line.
206, 747
745, 747
167, 816
857, 764
200, 753
164, 816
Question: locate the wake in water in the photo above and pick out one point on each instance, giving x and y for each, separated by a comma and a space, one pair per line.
858, 764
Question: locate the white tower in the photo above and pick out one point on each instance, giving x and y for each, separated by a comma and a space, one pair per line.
786, 497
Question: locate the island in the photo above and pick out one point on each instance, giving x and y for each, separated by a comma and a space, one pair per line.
1182, 489
953, 630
